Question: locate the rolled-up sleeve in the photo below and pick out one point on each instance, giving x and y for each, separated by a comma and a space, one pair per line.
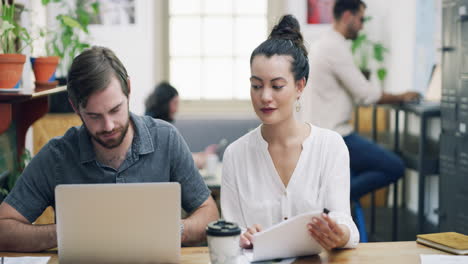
193, 189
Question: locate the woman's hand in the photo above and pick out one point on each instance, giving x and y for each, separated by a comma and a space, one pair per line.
328, 233
247, 238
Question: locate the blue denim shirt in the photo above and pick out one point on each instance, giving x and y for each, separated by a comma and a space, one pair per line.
158, 153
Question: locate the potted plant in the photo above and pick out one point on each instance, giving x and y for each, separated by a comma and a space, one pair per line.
11, 33
44, 67
7, 184
364, 50
68, 40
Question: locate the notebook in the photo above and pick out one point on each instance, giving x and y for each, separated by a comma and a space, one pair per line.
287, 239
452, 242
118, 223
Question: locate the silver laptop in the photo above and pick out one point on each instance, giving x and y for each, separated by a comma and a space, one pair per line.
118, 223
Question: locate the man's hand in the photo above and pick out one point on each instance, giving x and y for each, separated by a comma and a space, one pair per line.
406, 97
327, 232
246, 239
17, 234
410, 96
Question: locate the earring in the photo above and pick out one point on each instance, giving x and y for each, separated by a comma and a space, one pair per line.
298, 105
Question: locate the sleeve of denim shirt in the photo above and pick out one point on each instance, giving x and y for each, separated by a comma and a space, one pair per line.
34, 189
183, 170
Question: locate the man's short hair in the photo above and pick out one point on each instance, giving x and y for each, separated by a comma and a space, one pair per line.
92, 71
344, 5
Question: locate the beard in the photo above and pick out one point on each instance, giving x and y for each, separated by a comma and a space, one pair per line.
352, 35
113, 142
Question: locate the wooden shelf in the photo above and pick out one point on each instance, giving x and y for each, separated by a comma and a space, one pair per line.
23, 108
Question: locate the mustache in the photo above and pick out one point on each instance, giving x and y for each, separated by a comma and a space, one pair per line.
104, 133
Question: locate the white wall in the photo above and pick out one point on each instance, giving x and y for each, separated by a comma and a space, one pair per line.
135, 46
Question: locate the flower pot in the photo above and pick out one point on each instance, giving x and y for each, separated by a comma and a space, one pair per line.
41, 86
11, 69
44, 68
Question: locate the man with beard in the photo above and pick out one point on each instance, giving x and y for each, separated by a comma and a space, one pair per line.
112, 146
335, 86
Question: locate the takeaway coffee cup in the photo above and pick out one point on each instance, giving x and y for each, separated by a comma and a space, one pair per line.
223, 242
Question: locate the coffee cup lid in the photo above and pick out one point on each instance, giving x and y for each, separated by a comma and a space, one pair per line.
222, 228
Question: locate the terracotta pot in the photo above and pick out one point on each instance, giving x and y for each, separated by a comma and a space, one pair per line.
41, 86
44, 68
11, 69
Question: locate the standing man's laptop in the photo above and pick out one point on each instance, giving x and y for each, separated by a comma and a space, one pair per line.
118, 223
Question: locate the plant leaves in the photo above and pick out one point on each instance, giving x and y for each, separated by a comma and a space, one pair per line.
71, 22
379, 51
381, 73
358, 42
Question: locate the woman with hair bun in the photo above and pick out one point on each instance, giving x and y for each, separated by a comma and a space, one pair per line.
285, 167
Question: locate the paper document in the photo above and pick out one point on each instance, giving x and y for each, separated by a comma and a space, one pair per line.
445, 259
24, 260
287, 239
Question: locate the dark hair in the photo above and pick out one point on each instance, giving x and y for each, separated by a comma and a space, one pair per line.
286, 39
157, 104
344, 5
91, 71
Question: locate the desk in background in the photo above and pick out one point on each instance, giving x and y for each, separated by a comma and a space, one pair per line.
418, 152
366, 253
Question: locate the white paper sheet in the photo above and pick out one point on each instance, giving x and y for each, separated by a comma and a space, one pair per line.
287, 239
443, 259
24, 260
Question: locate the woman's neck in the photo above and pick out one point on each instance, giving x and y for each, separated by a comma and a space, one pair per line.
285, 132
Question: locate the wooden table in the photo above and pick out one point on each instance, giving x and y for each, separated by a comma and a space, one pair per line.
375, 253
24, 108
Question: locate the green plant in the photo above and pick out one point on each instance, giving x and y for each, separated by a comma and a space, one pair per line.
25, 158
365, 49
69, 39
10, 29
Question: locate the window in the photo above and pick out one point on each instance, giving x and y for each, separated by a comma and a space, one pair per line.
210, 42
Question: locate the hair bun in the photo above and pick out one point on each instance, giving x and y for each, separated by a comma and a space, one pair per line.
289, 29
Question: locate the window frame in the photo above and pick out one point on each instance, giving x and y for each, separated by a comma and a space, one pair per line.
212, 107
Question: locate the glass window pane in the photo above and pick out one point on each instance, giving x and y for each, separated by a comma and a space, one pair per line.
185, 77
217, 78
217, 36
178, 7
241, 78
184, 37
249, 33
218, 7
251, 7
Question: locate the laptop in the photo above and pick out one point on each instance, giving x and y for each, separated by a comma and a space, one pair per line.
118, 223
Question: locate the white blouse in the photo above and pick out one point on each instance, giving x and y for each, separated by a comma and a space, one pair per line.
253, 193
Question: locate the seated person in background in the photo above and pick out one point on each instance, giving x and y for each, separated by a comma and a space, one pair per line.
112, 146
286, 167
163, 104
335, 86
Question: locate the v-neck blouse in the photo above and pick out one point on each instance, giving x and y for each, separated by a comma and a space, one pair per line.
253, 193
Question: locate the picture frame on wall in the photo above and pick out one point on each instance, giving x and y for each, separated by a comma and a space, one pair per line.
115, 13
320, 11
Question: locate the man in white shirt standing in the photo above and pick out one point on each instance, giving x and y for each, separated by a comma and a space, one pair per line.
335, 86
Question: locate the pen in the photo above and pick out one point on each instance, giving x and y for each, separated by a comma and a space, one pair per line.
326, 211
